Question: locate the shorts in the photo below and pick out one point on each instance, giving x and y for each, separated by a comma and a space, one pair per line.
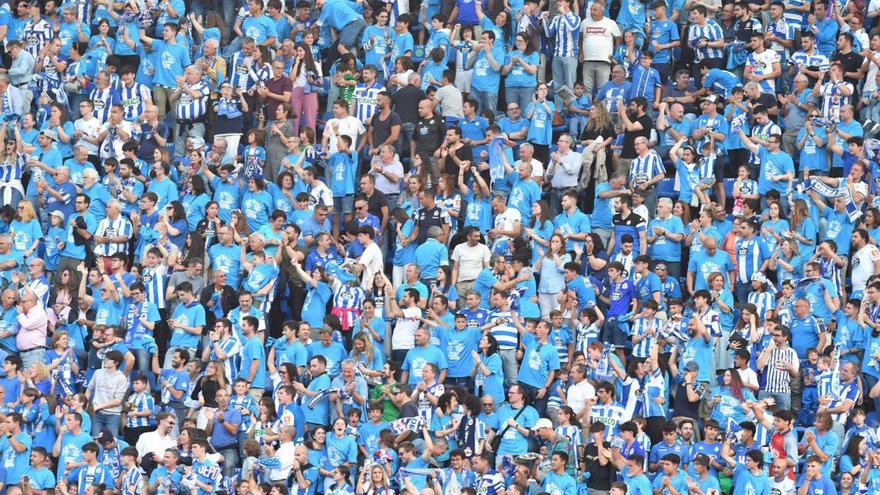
614, 333
463, 80
351, 33
343, 204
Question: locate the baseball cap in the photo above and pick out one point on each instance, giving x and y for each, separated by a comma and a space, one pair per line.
692, 366
542, 423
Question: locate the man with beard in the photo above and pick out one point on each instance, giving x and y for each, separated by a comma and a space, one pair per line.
636, 123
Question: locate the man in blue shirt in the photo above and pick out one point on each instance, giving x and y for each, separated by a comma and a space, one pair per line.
486, 63
540, 362
317, 413
186, 323
420, 355
253, 358
348, 23
223, 425
172, 58
175, 383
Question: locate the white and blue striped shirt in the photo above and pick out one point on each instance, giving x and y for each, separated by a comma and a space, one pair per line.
155, 282
710, 31
640, 327
232, 347
645, 168
239, 70
189, 108
134, 100
102, 99
13, 168
566, 30
763, 301
36, 35
611, 415
654, 386
139, 403
40, 288
831, 271
113, 228
505, 333
365, 104
630, 391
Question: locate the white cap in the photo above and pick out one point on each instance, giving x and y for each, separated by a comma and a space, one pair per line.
542, 423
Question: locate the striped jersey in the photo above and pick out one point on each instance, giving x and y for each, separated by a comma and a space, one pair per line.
103, 99
491, 483
776, 378
40, 288
750, 255
611, 415
566, 31
155, 282
640, 327
232, 347
364, 98
645, 168
259, 75
139, 403
653, 386
239, 68
348, 297
36, 35
189, 108
575, 435
630, 392
505, 333
244, 402
134, 99
132, 482
710, 31
112, 228
13, 168
764, 301
831, 271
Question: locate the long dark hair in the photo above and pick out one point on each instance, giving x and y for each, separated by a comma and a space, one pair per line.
177, 211
530, 43
544, 217
198, 185
852, 449
493, 345
308, 62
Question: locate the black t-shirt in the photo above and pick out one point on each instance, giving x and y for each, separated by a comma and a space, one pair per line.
382, 128
463, 153
406, 103
376, 202
682, 406
429, 134
629, 138
600, 476
408, 410
148, 140
852, 62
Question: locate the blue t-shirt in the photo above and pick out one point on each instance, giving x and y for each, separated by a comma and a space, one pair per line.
418, 357
171, 61
192, 315
538, 361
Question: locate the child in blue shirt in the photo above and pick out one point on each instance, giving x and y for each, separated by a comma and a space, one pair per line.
578, 111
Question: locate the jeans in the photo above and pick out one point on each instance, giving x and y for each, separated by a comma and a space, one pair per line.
741, 292
509, 366
783, 401
520, 95
232, 48
230, 459
595, 74
142, 360
809, 405
228, 11
101, 421
564, 74
485, 100
406, 135
539, 404
31, 357
462, 381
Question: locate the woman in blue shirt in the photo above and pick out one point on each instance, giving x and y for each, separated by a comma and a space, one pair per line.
59, 123
194, 201
25, 229
540, 230
521, 69
540, 114
774, 226
341, 448
803, 229
627, 54
550, 266
175, 222
727, 398
479, 206
489, 375
445, 287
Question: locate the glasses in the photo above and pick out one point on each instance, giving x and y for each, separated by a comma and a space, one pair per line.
360, 208
488, 404
513, 108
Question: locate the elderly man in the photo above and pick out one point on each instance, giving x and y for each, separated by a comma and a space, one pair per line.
387, 171
32, 326
565, 165
351, 391
153, 133
35, 281
21, 71
112, 234
97, 193
645, 171
191, 96
221, 153
665, 237
213, 67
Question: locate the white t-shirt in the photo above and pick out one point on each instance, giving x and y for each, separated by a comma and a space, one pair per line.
350, 126
598, 39
404, 335
451, 104
537, 168
578, 395
506, 221
90, 128
863, 266
371, 258
471, 260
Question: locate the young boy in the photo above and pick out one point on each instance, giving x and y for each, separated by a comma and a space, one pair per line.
620, 296
138, 410
741, 360
589, 325
132, 480
579, 110
342, 165
807, 415
850, 335
560, 335
645, 329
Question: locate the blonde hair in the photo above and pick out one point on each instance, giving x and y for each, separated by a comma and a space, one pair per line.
27, 213
368, 348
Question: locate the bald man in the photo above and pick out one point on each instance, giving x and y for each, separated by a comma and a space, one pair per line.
706, 262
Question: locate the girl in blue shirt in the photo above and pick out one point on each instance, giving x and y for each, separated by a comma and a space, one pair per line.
628, 54
405, 250
727, 399
194, 201
540, 114
550, 266
803, 229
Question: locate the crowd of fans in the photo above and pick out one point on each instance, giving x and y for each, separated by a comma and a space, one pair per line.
440, 248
